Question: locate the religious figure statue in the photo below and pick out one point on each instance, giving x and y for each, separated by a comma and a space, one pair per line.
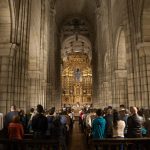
77, 75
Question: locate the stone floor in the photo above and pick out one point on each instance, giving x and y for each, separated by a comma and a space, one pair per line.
77, 139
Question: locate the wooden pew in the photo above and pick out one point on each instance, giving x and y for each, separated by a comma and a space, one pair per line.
26, 144
117, 143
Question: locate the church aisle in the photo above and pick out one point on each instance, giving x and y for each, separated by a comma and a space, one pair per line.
77, 139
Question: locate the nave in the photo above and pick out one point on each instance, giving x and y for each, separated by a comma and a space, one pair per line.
77, 138
74, 53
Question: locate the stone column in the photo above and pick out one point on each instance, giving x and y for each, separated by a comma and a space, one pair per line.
144, 73
120, 88
34, 66
96, 63
37, 68
7, 52
51, 98
14, 60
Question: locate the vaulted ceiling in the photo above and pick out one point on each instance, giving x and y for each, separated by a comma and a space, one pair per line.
80, 8
82, 12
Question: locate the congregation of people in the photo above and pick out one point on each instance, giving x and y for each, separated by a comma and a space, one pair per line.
95, 123
112, 123
40, 123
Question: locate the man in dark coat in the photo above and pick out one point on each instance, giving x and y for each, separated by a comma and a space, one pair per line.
134, 124
39, 123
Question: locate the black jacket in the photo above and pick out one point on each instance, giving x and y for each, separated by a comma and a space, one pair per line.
39, 123
134, 125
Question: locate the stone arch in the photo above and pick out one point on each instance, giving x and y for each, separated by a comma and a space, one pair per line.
13, 13
8, 18
5, 20
70, 44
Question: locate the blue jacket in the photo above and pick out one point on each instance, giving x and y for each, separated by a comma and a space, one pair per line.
98, 128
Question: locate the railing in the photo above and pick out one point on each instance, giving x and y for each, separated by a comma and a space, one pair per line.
29, 144
52, 144
121, 143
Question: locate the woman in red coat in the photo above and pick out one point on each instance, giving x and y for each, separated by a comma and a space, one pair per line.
15, 129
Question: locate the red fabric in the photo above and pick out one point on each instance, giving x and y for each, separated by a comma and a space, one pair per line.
15, 131
81, 114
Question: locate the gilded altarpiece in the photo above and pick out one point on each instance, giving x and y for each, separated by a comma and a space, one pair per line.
76, 80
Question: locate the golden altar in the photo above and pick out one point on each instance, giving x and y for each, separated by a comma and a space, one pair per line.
76, 80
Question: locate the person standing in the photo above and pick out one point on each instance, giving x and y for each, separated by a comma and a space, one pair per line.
39, 123
124, 114
9, 117
98, 125
118, 125
29, 120
134, 124
15, 132
15, 129
109, 122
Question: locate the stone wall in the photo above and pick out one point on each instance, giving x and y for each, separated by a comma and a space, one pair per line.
30, 54
14, 55
25, 46
125, 72
41, 85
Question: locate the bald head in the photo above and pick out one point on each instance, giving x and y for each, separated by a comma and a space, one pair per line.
133, 110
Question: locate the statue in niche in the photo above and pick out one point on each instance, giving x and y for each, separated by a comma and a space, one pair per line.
78, 75
77, 104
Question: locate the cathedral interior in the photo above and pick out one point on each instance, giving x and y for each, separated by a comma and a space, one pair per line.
74, 52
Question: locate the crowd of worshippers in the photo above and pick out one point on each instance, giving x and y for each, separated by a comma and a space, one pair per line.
112, 123
105, 123
40, 123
